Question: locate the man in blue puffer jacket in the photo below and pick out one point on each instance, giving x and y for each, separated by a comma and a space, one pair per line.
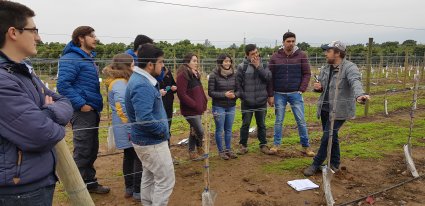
78, 80
32, 117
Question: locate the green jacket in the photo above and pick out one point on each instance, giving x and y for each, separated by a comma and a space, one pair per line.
349, 88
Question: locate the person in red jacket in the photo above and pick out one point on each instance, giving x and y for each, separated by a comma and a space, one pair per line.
290, 76
193, 102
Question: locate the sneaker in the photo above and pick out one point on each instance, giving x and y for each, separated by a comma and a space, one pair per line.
136, 197
335, 169
193, 156
310, 171
200, 151
242, 150
223, 155
265, 149
128, 193
231, 155
99, 189
307, 151
274, 149
175, 162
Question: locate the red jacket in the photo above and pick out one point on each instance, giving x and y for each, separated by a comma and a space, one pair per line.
290, 73
193, 100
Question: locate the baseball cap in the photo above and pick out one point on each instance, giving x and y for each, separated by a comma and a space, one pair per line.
335, 44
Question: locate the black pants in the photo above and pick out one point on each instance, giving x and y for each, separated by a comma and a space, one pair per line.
86, 144
132, 169
260, 118
169, 111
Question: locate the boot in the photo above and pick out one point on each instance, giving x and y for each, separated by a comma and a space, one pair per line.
307, 151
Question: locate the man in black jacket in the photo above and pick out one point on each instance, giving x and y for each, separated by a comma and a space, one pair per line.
253, 82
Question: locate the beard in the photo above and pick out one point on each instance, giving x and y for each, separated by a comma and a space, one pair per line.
331, 61
90, 47
289, 48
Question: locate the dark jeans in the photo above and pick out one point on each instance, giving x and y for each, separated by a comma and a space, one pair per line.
196, 132
335, 152
132, 169
39, 197
86, 144
260, 118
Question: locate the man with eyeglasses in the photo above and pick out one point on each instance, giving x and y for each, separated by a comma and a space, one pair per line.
78, 80
291, 76
32, 118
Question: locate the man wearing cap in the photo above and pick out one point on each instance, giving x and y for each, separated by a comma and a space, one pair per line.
291, 76
343, 77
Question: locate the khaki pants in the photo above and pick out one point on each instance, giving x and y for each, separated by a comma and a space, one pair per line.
158, 174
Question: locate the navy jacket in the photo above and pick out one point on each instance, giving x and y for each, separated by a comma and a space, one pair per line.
29, 130
291, 73
78, 78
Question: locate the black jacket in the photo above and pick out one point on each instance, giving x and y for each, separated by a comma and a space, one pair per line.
254, 85
168, 99
218, 85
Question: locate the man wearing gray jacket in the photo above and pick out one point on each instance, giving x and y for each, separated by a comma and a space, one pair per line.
337, 103
253, 82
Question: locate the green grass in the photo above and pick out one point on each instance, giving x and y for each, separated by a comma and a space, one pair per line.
367, 140
287, 165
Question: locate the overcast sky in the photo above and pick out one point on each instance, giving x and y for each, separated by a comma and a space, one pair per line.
122, 20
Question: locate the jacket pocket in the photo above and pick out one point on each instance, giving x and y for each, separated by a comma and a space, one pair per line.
17, 177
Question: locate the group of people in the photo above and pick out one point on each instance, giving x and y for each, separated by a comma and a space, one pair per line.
141, 94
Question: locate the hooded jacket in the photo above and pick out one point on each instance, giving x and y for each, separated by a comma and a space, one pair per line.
254, 85
78, 78
291, 73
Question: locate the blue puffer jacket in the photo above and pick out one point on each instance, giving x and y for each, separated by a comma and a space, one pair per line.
28, 129
144, 107
78, 78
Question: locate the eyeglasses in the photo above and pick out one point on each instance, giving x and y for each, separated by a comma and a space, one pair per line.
33, 30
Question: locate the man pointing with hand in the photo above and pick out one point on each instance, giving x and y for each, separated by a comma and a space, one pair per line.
345, 76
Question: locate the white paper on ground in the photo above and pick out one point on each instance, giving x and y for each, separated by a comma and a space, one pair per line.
302, 184
252, 129
183, 141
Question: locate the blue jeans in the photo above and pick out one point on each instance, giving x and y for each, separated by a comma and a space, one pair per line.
297, 104
40, 197
335, 152
223, 118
